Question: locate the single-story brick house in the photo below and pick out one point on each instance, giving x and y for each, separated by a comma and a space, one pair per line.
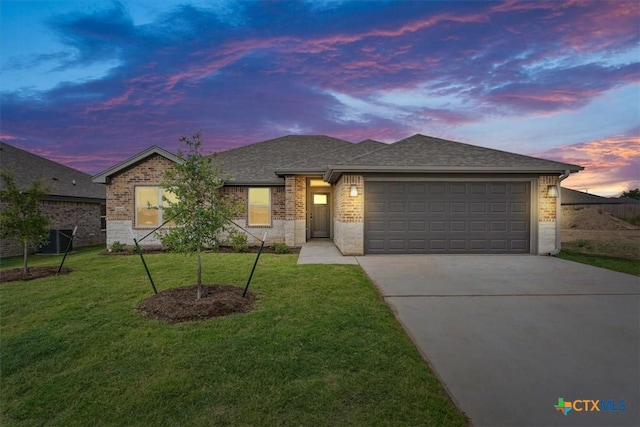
417, 195
72, 199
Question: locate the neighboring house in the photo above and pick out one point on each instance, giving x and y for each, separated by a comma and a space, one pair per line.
72, 198
622, 207
417, 195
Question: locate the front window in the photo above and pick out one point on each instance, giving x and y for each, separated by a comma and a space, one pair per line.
260, 206
149, 205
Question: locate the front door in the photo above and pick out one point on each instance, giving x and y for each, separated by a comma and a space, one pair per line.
319, 223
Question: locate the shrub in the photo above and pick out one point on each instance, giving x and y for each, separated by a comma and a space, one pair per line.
117, 247
281, 248
238, 242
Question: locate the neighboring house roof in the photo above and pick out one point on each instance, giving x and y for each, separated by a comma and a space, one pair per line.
420, 153
61, 182
574, 197
103, 177
257, 163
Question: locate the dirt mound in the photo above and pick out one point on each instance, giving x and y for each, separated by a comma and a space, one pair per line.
34, 273
181, 305
592, 219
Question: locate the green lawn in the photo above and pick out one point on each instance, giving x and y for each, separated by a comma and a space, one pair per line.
321, 349
624, 265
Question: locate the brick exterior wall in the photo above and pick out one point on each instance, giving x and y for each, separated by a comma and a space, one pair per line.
547, 215
240, 195
348, 220
66, 215
121, 193
546, 204
347, 208
295, 214
121, 204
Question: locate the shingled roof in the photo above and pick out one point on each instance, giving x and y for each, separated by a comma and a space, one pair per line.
420, 153
61, 181
266, 162
319, 163
257, 163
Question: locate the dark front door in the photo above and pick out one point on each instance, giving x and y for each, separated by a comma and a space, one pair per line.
319, 224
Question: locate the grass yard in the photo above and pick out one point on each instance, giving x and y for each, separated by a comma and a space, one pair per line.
624, 265
322, 349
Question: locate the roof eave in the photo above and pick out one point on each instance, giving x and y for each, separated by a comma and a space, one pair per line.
333, 172
103, 177
299, 171
257, 183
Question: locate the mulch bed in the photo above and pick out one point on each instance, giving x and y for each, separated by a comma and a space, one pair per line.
34, 273
181, 304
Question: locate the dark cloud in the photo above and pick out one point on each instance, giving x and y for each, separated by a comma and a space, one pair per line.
100, 35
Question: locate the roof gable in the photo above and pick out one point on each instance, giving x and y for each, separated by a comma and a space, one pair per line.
60, 180
104, 176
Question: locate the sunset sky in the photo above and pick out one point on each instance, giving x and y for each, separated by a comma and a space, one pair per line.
89, 83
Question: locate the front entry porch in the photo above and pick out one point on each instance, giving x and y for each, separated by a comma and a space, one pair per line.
323, 251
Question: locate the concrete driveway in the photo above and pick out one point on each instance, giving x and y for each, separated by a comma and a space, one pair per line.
510, 335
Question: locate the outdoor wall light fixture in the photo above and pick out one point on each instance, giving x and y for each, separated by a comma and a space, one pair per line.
354, 191
552, 191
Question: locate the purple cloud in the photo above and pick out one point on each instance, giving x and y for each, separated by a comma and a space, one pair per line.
270, 68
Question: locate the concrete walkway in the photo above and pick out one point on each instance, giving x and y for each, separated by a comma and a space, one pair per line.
510, 335
323, 251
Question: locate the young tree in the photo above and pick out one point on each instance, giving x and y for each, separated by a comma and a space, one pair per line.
198, 211
21, 216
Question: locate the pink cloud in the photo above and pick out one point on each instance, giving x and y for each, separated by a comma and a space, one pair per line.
612, 165
11, 138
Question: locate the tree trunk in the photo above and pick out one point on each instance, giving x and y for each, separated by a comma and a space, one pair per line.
25, 245
199, 273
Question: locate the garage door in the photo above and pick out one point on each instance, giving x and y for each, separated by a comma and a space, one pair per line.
447, 217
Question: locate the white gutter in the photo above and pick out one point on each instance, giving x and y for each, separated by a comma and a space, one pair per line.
558, 247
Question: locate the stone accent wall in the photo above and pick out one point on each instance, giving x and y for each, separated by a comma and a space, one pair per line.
348, 220
275, 233
546, 237
66, 215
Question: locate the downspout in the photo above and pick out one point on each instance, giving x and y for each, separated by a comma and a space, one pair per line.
558, 247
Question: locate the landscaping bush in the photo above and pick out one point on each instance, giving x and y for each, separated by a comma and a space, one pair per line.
117, 246
238, 242
280, 248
